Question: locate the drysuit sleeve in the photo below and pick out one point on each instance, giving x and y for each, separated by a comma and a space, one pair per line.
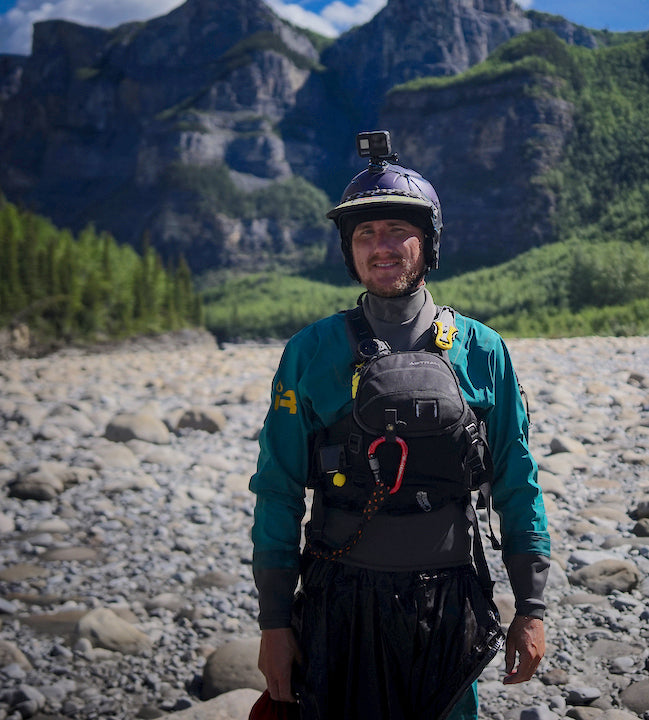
279, 485
517, 496
528, 574
488, 378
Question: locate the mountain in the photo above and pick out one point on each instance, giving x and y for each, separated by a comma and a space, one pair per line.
223, 133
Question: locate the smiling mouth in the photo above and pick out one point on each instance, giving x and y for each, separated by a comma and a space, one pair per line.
388, 263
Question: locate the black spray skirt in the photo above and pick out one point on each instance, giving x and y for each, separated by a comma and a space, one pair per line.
390, 645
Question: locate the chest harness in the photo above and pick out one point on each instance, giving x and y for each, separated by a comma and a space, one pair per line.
411, 444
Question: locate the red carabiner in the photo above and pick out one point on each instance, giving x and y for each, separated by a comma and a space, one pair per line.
374, 463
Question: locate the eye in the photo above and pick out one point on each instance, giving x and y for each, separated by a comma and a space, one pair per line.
363, 231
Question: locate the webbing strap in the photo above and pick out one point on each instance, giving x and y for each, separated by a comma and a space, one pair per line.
484, 576
378, 496
358, 326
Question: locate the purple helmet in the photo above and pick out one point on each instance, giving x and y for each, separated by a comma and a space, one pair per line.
387, 191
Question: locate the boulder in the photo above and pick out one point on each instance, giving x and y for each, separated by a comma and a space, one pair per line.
107, 630
605, 576
209, 419
232, 666
233, 705
137, 426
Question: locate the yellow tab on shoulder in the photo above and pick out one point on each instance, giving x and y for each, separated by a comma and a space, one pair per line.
444, 334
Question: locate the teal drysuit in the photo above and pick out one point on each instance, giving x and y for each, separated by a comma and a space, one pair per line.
312, 390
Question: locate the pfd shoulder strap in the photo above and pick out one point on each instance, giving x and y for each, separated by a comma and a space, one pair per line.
358, 329
443, 329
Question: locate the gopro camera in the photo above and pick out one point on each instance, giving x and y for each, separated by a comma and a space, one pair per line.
375, 145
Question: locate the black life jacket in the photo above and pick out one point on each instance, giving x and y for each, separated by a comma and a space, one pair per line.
405, 403
410, 444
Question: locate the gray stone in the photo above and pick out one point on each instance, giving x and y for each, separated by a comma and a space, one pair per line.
622, 665
7, 524
209, 419
636, 697
10, 653
114, 455
555, 676
68, 554
584, 713
40, 484
635, 458
538, 712
551, 483
107, 630
26, 700
641, 528
232, 666
641, 510
581, 694
232, 705
7, 607
137, 426
564, 463
166, 601
614, 714
607, 575
566, 444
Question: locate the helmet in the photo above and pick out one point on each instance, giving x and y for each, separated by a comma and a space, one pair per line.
386, 191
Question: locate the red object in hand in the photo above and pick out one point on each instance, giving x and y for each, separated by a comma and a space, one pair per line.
268, 709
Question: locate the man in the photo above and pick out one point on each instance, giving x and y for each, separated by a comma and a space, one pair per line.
391, 620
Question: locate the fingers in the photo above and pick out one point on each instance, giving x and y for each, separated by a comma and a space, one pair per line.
526, 639
524, 672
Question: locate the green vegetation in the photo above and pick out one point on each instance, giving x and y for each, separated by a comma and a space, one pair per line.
292, 200
88, 288
572, 288
270, 305
539, 53
602, 184
242, 53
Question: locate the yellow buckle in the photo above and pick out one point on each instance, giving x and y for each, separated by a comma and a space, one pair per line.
444, 335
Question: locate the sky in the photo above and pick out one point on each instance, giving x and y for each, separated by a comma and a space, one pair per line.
328, 17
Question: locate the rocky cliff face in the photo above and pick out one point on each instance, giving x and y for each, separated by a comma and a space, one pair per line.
484, 147
95, 123
438, 37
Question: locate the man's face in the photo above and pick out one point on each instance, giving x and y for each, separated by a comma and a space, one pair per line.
388, 256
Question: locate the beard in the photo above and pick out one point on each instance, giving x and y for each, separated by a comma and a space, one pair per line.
406, 282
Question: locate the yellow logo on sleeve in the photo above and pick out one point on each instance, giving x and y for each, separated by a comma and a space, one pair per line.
285, 399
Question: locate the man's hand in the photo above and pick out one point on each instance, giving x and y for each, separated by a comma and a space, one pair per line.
277, 653
526, 638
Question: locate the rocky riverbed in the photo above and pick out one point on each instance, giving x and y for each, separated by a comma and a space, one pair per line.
125, 580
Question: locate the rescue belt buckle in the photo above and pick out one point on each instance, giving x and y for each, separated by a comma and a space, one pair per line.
374, 461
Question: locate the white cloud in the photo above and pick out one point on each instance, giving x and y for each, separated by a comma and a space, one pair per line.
16, 24
333, 19
525, 4
344, 16
303, 18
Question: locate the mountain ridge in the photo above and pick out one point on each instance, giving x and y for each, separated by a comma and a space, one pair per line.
146, 128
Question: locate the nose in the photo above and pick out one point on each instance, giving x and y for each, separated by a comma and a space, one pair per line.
383, 239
